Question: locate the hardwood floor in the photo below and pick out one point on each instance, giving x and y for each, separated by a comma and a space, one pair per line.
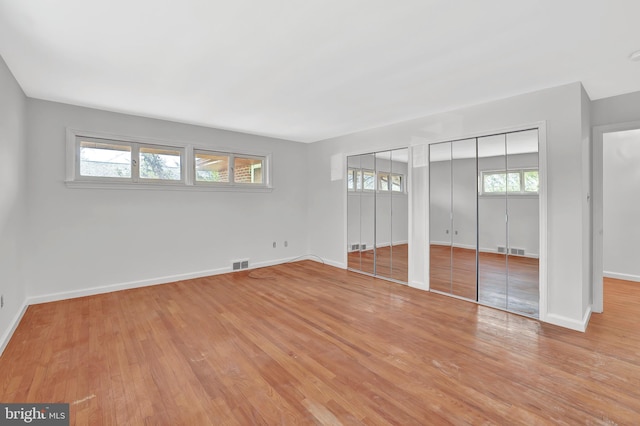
305, 343
453, 270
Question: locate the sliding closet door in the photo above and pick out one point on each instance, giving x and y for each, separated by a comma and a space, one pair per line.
492, 221
368, 213
354, 195
383, 215
464, 218
378, 214
440, 217
399, 214
523, 224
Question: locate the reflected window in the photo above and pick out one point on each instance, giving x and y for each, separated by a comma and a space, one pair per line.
512, 182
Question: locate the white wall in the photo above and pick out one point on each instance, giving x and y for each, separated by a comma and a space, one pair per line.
621, 237
86, 238
559, 107
12, 200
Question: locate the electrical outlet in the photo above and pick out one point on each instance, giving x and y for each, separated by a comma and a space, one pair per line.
274, 244
2, 301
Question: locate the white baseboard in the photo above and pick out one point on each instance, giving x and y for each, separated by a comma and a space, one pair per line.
620, 276
6, 336
570, 323
53, 297
387, 244
419, 285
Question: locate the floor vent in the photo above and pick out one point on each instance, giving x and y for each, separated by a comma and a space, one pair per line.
240, 264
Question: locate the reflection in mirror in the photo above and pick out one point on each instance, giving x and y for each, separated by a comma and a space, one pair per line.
440, 217
378, 214
523, 224
354, 184
367, 214
464, 197
399, 215
492, 229
383, 214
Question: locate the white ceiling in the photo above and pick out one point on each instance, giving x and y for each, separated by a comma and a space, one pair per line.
313, 69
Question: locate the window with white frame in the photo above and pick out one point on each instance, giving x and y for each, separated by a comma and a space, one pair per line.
102, 159
390, 182
106, 161
365, 180
516, 182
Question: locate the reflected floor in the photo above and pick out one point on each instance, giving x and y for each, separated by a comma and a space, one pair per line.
454, 271
392, 261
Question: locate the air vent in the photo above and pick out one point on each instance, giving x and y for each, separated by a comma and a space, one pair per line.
517, 251
363, 247
240, 264
355, 247
502, 249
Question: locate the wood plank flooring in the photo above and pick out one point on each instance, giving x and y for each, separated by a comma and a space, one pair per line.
305, 343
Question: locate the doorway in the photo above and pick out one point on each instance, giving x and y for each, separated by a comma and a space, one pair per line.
616, 179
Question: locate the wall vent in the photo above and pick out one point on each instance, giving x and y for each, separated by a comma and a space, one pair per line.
355, 247
502, 249
363, 247
517, 251
240, 264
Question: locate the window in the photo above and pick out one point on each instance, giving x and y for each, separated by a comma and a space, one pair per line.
390, 181
247, 170
211, 167
351, 179
512, 182
369, 180
104, 161
159, 163
365, 180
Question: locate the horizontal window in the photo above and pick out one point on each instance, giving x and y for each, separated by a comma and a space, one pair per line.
365, 180
112, 160
390, 182
525, 181
214, 168
105, 161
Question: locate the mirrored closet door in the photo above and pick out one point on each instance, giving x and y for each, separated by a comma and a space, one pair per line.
484, 220
377, 214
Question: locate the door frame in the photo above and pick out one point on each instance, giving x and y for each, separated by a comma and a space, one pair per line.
597, 195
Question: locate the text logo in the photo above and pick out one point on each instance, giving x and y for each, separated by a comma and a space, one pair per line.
34, 414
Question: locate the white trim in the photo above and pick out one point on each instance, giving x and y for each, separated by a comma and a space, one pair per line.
542, 217
620, 276
597, 197
570, 323
419, 285
167, 186
53, 297
8, 334
318, 259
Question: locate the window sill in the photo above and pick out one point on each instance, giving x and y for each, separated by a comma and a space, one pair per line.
165, 187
